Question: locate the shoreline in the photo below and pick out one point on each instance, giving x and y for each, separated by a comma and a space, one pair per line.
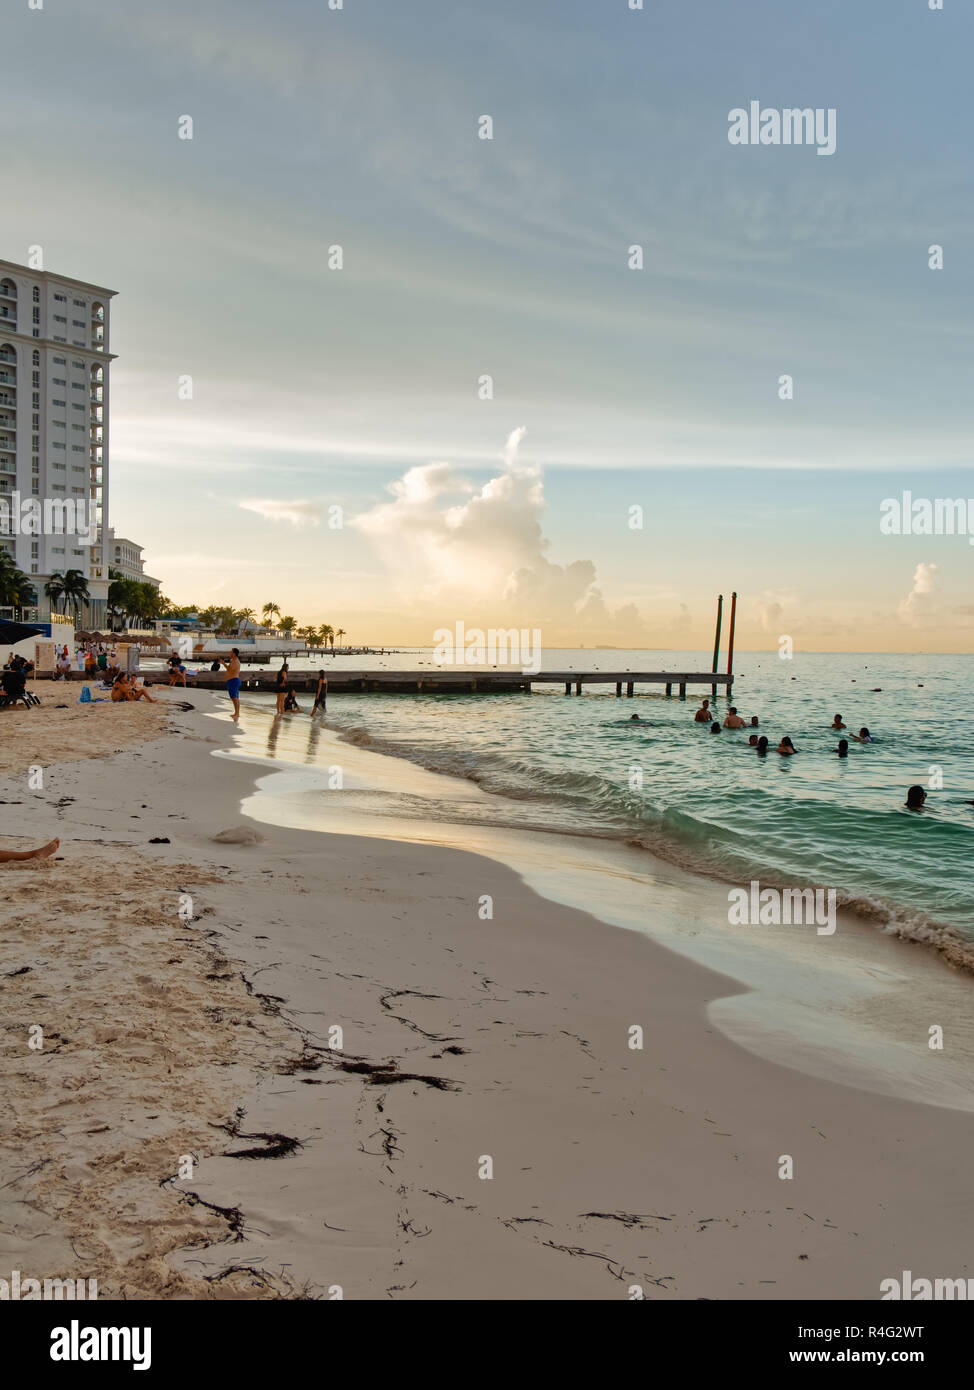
466, 1038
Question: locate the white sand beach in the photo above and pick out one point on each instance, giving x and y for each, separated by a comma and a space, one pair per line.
482, 1129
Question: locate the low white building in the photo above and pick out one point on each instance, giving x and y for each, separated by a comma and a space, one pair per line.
125, 557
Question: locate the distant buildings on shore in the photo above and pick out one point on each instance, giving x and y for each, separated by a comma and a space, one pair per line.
54, 425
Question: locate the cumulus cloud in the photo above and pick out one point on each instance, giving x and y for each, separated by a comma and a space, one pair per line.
297, 512
923, 600
482, 549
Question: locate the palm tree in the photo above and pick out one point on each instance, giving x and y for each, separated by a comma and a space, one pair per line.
74, 590
327, 634
54, 590
308, 635
15, 587
270, 610
339, 634
287, 624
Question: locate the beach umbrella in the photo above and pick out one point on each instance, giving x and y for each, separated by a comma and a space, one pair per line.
11, 633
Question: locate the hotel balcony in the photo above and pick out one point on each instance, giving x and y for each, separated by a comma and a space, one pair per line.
7, 379
8, 290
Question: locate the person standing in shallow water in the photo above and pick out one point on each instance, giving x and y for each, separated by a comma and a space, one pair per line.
232, 663
915, 797
703, 714
321, 694
281, 687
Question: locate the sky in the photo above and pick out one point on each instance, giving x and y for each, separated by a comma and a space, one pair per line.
341, 454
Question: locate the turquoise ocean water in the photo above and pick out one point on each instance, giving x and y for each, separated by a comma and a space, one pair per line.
708, 801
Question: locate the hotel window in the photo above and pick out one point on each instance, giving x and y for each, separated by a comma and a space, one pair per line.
61, 298
56, 402
35, 569
57, 549
35, 422
59, 340
35, 549
35, 464
78, 303
77, 448
35, 441
59, 466
58, 444
35, 487
58, 318
37, 295
61, 361
76, 406
78, 323
37, 315
77, 552
59, 381
78, 490
36, 333
35, 358
77, 386
76, 363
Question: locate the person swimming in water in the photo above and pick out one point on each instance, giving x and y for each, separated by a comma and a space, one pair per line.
837, 723
733, 719
786, 748
634, 719
703, 714
915, 797
753, 741
863, 736
715, 727
754, 721
762, 746
843, 748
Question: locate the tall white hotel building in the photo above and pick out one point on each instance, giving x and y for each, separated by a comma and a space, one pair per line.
54, 362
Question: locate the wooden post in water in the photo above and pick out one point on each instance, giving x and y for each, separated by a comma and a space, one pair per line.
578, 687
720, 606
618, 689
730, 649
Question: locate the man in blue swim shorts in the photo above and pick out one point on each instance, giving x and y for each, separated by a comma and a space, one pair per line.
232, 663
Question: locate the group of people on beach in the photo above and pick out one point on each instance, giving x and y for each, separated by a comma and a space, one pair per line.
287, 700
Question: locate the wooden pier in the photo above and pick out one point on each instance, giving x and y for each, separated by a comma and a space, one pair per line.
457, 682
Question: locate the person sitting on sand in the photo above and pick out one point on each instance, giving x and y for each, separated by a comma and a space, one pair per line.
703, 714
123, 689
63, 667
915, 797
837, 723
733, 719
291, 705
715, 727
786, 748
9, 855
177, 671
843, 748
863, 736
762, 746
